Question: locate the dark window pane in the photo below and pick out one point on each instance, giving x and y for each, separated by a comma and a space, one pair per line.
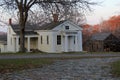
58, 39
66, 27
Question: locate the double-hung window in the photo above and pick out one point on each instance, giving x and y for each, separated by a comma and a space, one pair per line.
58, 39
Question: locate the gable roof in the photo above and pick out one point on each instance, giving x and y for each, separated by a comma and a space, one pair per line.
100, 36
50, 26
29, 29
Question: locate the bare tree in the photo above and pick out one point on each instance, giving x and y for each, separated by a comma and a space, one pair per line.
24, 6
39, 17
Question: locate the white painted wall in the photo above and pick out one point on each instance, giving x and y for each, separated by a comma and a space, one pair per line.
72, 28
10, 40
52, 46
80, 47
58, 48
60, 30
44, 46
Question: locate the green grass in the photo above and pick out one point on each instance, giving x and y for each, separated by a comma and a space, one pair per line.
116, 68
10, 65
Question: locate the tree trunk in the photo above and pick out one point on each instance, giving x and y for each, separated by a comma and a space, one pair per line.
22, 35
22, 22
22, 39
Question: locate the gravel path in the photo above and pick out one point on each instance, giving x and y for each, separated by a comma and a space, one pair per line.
79, 69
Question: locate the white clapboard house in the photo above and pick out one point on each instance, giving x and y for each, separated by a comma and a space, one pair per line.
57, 36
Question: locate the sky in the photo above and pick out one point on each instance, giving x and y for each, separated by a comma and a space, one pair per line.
103, 11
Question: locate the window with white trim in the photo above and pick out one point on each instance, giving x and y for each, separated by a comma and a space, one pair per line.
58, 39
67, 27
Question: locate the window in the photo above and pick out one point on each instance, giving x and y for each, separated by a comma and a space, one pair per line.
47, 39
67, 27
41, 40
58, 39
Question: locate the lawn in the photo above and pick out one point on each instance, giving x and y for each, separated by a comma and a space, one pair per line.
10, 65
116, 68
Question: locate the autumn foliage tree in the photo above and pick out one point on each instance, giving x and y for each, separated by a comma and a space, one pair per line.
111, 25
86, 32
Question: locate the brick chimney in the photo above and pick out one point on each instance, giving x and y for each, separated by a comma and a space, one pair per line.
10, 21
55, 17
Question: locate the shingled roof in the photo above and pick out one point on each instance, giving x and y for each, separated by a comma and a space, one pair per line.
29, 29
100, 36
51, 25
16, 27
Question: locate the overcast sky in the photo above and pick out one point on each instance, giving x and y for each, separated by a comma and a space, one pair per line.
103, 11
100, 12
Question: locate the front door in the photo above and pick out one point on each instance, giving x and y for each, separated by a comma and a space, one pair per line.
70, 43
